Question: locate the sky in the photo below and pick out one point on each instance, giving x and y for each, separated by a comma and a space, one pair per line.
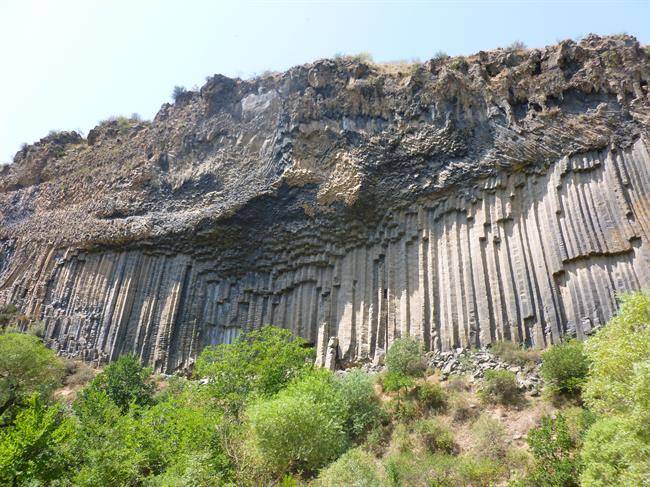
67, 64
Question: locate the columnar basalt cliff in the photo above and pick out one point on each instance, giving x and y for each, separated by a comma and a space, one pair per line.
504, 195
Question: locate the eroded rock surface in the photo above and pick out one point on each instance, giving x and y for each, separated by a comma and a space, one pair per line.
462, 201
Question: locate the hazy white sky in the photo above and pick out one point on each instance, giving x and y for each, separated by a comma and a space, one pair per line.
67, 64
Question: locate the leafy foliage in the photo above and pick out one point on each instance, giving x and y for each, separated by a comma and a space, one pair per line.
178, 92
361, 403
555, 454
259, 363
355, 467
564, 368
431, 396
617, 447
405, 357
27, 367
33, 448
434, 435
302, 428
500, 386
615, 352
125, 382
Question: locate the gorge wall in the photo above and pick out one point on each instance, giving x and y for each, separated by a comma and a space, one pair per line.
504, 195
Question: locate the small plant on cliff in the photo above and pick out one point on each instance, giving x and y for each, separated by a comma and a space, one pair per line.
178, 92
260, 363
516, 46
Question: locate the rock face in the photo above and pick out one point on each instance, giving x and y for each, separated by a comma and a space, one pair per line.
505, 195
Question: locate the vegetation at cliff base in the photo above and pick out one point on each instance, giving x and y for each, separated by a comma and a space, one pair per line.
257, 412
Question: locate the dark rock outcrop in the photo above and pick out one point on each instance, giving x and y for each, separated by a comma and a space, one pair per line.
462, 201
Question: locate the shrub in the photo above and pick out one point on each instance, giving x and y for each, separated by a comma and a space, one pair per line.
27, 367
617, 447
616, 453
32, 448
431, 396
515, 354
555, 454
355, 468
361, 403
378, 438
434, 436
500, 387
302, 428
405, 357
178, 92
461, 408
516, 46
440, 55
489, 438
615, 353
124, 382
259, 363
564, 368
362, 57
396, 382
400, 410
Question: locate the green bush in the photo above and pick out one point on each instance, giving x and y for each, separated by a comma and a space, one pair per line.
434, 436
564, 368
363, 409
615, 352
125, 382
396, 382
405, 357
355, 468
431, 396
555, 454
616, 452
302, 428
489, 438
27, 367
500, 386
33, 448
617, 447
259, 363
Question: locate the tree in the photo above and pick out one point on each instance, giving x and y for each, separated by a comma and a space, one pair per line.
27, 367
405, 357
124, 382
258, 363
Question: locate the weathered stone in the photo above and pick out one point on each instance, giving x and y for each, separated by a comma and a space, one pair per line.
343, 199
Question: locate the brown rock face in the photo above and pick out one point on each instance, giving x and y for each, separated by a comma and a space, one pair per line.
501, 196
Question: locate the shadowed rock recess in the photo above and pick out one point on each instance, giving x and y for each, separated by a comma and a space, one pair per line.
504, 195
